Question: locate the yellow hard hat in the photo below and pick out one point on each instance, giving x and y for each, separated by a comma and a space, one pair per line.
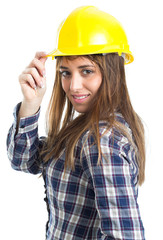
87, 30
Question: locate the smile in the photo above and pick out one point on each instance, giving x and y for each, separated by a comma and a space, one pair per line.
80, 98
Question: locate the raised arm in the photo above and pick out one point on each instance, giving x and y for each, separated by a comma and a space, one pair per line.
23, 143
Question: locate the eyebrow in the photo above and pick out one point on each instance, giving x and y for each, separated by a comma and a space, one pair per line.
82, 66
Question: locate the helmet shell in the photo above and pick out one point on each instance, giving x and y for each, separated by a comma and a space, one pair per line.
88, 30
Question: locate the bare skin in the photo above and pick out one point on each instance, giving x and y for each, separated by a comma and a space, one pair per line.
81, 80
33, 85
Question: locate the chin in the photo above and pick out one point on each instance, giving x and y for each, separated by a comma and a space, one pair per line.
81, 110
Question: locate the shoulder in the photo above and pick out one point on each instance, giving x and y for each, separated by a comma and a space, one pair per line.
107, 133
118, 155
112, 140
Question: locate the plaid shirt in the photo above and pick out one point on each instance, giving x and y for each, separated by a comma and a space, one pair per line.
92, 202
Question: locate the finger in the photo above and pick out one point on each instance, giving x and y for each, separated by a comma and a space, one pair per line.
41, 56
28, 79
39, 65
35, 75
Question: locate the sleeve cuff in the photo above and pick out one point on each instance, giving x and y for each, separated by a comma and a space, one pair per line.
26, 124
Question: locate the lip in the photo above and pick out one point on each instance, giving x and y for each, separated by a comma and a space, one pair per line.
75, 97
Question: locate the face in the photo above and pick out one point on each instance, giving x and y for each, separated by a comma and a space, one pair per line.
81, 80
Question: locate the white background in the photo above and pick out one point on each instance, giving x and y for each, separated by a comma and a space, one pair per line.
30, 26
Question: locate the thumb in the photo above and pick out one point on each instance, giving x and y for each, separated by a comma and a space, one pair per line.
39, 55
43, 59
42, 56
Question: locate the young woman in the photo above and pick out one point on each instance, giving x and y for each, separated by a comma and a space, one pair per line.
93, 163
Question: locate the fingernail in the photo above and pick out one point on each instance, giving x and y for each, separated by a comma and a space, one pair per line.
35, 88
44, 74
42, 85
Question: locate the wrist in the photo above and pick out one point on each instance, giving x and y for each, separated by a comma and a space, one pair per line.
28, 109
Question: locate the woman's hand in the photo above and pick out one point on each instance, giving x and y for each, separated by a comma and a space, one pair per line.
33, 85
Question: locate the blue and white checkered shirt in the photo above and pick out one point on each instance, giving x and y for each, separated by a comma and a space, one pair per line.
93, 202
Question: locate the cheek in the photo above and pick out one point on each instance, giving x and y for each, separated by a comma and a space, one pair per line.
65, 85
96, 84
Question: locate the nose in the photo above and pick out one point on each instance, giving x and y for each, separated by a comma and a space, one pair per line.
76, 82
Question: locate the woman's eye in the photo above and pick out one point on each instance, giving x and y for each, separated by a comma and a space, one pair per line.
87, 71
64, 73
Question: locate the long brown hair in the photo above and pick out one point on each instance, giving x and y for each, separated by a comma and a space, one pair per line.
64, 130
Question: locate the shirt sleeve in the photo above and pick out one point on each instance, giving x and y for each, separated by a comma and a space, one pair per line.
115, 186
23, 145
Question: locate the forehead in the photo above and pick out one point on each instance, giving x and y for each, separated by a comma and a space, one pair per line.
76, 60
